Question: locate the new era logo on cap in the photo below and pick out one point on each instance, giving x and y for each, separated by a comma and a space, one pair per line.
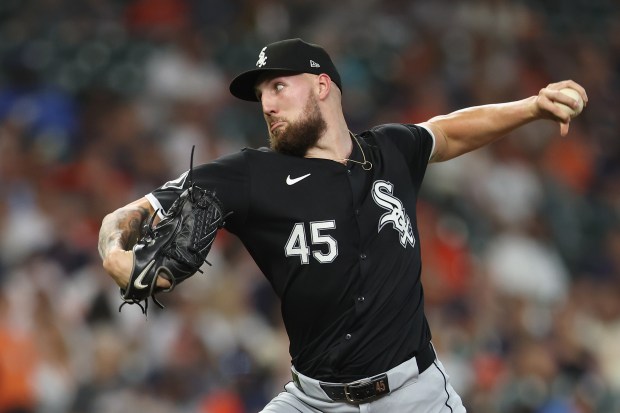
291, 56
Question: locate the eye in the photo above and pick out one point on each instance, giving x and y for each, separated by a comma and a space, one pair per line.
278, 87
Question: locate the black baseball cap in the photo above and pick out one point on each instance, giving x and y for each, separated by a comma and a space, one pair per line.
289, 56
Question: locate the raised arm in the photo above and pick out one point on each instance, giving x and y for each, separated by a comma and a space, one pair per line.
471, 128
120, 230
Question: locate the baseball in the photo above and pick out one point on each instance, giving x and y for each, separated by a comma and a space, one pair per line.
575, 95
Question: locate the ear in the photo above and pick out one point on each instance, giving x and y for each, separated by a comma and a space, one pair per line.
324, 83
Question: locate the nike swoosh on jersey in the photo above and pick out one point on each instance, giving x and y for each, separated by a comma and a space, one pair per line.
138, 282
293, 181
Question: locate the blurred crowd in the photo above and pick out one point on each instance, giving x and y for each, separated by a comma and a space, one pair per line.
101, 101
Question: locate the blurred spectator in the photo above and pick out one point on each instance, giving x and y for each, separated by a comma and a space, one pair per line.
524, 266
17, 364
45, 115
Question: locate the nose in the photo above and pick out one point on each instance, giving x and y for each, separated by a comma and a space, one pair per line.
268, 104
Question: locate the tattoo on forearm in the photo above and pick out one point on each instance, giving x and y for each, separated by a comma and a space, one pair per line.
121, 229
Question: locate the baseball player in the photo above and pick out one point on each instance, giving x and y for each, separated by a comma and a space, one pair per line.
329, 216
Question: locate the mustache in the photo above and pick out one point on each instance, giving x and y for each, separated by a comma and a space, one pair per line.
273, 119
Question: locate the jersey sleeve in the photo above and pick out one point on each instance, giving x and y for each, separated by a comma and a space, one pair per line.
227, 176
415, 142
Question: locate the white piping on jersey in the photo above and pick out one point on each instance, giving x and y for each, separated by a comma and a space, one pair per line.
156, 205
432, 136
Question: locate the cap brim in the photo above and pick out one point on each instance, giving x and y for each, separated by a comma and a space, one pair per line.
243, 86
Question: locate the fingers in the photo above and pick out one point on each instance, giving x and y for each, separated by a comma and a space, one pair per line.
564, 128
547, 99
162, 282
558, 104
573, 85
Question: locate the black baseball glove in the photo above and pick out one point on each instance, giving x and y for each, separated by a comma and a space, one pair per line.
176, 247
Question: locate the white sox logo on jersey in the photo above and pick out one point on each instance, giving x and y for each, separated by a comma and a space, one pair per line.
382, 193
262, 58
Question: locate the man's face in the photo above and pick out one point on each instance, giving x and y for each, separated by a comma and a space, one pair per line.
292, 113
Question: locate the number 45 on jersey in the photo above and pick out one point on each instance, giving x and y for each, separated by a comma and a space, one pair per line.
317, 243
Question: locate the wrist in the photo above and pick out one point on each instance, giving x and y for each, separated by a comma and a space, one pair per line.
533, 111
118, 264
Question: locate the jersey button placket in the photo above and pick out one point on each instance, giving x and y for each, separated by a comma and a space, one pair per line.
359, 299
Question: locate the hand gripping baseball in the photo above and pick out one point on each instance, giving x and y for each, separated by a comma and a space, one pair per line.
561, 102
176, 247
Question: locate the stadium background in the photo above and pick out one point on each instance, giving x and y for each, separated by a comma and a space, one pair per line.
101, 100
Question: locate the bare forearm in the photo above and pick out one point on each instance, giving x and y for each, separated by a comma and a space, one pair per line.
120, 229
469, 129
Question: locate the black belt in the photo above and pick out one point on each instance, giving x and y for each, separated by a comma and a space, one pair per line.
367, 390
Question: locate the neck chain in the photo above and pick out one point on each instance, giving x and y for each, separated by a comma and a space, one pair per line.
366, 165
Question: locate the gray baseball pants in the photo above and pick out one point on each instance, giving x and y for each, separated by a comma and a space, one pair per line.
429, 392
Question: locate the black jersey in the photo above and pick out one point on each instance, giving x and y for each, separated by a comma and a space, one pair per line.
339, 245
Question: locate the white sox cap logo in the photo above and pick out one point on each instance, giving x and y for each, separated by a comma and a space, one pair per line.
262, 58
382, 194
289, 56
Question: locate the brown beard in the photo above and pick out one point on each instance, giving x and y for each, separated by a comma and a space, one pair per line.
300, 136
